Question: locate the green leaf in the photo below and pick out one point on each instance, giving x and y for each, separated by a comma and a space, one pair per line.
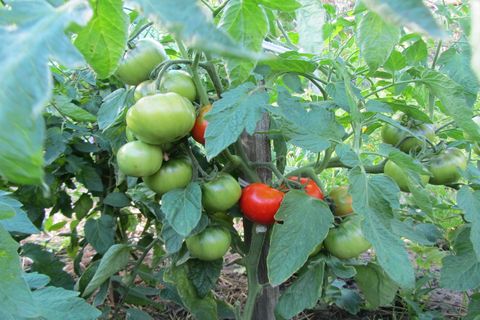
16, 300
310, 18
338, 92
189, 22
461, 271
416, 53
47, 263
469, 202
239, 109
306, 221
290, 61
113, 109
396, 61
114, 260
90, 178
102, 42
375, 197
246, 23
136, 314
201, 308
473, 308
347, 299
55, 144
68, 109
376, 39
100, 233
300, 121
204, 274
410, 13
284, 5
453, 99
83, 206
303, 293
475, 37
183, 208
12, 216
36, 280
379, 290
117, 199
27, 84
421, 233
173, 241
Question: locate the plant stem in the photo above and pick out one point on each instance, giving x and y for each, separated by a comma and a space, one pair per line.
392, 85
285, 35
437, 52
139, 31
212, 73
202, 93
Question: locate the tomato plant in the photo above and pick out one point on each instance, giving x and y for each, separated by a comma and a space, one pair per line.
446, 165
174, 174
341, 201
347, 240
180, 82
210, 244
140, 61
221, 193
139, 159
260, 203
161, 118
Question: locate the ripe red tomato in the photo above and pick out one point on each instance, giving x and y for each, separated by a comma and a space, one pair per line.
198, 131
260, 203
310, 187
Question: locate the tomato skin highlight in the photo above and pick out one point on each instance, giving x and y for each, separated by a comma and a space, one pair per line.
210, 244
139, 159
140, 61
342, 201
310, 187
347, 241
174, 174
399, 176
260, 202
445, 166
161, 118
221, 193
198, 130
180, 82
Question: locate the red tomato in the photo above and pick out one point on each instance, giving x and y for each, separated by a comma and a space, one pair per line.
198, 131
260, 203
310, 187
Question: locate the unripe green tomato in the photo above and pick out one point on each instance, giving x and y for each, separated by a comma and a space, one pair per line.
347, 241
161, 118
341, 201
146, 88
221, 193
180, 82
392, 135
139, 159
130, 136
174, 174
140, 61
210, 244
446, 165
400, 177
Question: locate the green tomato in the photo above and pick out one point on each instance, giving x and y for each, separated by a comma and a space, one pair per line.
221, 193
400, 177
180, 82
341, 201
146, 88
210, 244
140, 61
174, 174
161, 118
446, 165
139, 159
347, 240
393, 135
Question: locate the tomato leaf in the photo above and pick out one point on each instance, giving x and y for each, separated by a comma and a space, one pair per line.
475, 36
183, 208
246, 23
376, 39
469, 202
303, 293
115, 259
375, 197
310, 18
102, 42
16, 300
173, 241
68, 109
117, 199
285, 5
461, 271
27, 84
306, 222
201, 308
473, 306
411, 13
114, 107
239, 109
378, 289
100, 233
204, 274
